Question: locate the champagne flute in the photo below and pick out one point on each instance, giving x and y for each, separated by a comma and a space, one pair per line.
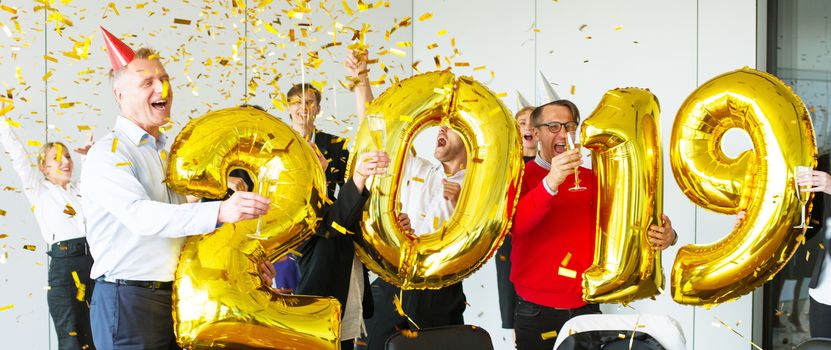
802, 194
378, 130
573, 142
265, 187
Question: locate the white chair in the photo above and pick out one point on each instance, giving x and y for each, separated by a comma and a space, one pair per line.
662, 328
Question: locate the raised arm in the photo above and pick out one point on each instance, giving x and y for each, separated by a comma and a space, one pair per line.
356, 66
25, 168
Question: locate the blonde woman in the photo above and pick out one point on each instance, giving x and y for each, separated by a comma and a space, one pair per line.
56, 204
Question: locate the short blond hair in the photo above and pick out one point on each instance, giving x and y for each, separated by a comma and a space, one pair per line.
144, 53
46, 148
523, 110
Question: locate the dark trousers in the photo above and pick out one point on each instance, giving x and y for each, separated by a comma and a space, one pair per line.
532, 320
127, 317
428, 308
507, 293
70, 315
819, 316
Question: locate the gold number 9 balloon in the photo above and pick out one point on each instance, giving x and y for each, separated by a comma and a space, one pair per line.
760, 182
624, 135
219, 297
489, 193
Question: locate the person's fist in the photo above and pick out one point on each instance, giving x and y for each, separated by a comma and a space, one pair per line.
242, 206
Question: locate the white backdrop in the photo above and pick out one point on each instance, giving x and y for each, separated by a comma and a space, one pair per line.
227, 55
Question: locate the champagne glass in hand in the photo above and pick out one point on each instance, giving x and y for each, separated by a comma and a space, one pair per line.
573, 142
378, 130
265, 187
802, 194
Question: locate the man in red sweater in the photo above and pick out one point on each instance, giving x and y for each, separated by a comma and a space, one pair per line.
554, 232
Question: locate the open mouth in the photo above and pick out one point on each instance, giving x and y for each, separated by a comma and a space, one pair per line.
160, 105
560, 148
528, 137
441, 142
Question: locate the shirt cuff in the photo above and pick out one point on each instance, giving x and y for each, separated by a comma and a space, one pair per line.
548, 188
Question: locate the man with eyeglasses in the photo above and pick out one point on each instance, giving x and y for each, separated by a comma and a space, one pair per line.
554, 227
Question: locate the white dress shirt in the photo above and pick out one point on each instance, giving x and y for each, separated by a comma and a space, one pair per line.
135, 224
52, 204
422, 194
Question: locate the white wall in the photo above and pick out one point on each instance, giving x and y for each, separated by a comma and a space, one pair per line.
668, 46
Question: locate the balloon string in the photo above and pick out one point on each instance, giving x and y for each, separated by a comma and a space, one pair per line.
401, 308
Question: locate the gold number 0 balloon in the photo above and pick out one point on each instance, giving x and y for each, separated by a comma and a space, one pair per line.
219, 298
760, 182
489, 192
624, 135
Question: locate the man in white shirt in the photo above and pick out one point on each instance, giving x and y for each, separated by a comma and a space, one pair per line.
135, 224
428, 197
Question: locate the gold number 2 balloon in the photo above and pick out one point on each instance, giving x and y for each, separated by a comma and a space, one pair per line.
760, 182
219, 298
489, 193
624, 135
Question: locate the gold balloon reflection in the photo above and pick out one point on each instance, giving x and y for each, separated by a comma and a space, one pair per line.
624, 135
219, 297
759, 181
489, 194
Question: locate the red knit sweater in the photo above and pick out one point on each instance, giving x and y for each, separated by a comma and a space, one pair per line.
545, 229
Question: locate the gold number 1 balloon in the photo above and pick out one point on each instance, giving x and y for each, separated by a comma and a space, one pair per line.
489, 193
219, 298
759, 182
624, 135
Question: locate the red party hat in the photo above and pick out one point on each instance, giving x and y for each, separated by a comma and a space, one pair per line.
120, 53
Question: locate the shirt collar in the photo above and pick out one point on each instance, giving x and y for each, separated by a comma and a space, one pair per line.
137, 135
542, 162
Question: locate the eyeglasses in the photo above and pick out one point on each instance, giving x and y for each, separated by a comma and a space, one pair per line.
554, 127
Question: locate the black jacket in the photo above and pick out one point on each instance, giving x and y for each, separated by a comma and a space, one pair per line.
326, 261
333, 149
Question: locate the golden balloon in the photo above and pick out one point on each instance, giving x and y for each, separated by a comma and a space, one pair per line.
760, 182
624, 135
219, 298
486, 205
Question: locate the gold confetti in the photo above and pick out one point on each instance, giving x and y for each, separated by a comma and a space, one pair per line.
346, 8
74, 334
502, 258
409, 333
405, 43
572, 89
165, 88
3, 235
83, 127
6, 307
432, 46
181, 21
11, 122
2, 213
69, 210
442, 32
565, 272
80, 286
618, 27
398, 52
566, 259
34, 143
30, 247
479, 68
462, 64
114, 144
425, 16
50, 58
340, 228
435, 222
58, 152
124, 164
111, 6
397, 303
549, 335
8, 9
67, 104
418, 179
501, 94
